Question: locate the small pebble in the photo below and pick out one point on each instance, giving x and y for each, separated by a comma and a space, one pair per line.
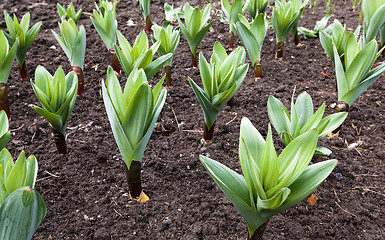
353, 145
203, 149
167, 221
339, 176
50, 229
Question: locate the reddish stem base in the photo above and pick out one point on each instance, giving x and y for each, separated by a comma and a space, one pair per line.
231, 40
279, 52
4, 102
231, 102
208, 135
148, 24
258, 69
134, 179
22, 71
194, 60
114, 61
258, 234
60, 142
79, 73
167, 70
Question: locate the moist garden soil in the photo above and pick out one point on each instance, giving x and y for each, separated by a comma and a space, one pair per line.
86, 191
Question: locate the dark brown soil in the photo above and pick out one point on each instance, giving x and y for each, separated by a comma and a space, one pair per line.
86, 191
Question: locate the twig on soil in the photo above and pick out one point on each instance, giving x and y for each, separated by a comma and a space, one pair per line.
14, 130
118, 212
367, 189
236, 115
345, 210
51, 174
335, 193
193, 131
33, 136
176, 119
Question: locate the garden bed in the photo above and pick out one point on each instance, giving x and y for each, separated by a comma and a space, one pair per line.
86, 191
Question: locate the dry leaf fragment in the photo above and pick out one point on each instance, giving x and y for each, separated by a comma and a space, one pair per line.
312, 200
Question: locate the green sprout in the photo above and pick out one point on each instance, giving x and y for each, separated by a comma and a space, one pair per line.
374, 19
221, 78
145, 8
57, 95
195, 27
302, 119
22, 208
73, 43
169, 40
172, 13
105, 23
6, 59
20, 33
285, 17
270, 184
5, 134
252, 36
231, 12
139, 55
319, 26
68, 14
133, 114
255, 7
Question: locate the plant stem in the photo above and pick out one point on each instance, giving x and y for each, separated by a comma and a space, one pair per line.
296, 38
258, 69
133, 179
60, 141
231, 40
279, 52
340, 107
257, 235
148, 24
167, 70
79, 72
22, 71
194, 60
4, 102
208, 134
114, 61
231, 102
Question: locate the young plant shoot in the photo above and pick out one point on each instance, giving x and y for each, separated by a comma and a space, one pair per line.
139, 55
5, 134
255, 7
133, 114
73, 43
145, 8
105, 23
172, 13
195, 27
22, 208
68, 14
6, 59
320, 26
252, 36
374, 20
169, 40
232, 11
57, 95
285, 17
302, 119
20, 33
221, 78
270, 184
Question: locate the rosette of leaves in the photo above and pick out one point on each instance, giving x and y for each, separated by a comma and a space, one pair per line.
374, 20
139, 55
221, 79
302, 119
22, 208
195, 27
20, 33
105, 23
5, 134
231, 12
145, 8
73, 43
255, 7
57, 95
133, 114
169, 40
252, 36
319, 26
6, 59
285, 17
69, 13
270, 184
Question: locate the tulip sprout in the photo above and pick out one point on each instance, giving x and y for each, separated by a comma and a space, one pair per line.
221, 78
133, 114
5, 134
22, 208
195, 27
105, 23
73, 43
68, 14
139, 55
145, 8
255, 7
169, 40
172, 13
302, 119
6, 59
374, 19
252, 36
232, 11
320, 26
20, 33
57, 95
270, 184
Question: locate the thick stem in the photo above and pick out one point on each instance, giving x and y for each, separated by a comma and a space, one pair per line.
79, 72
114, 60
340, 107
148, 24
208, 134
133, 179
4, 102
279, 52
194, 60
167, 70
22, 71
296, 38
60, 142
258, 234
258, 69
231, 102
231, 40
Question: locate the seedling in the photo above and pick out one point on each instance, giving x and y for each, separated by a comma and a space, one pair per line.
172, 13
255, 7
5, 134
374, 19
145, 8
68, 14
133, 114
73, 43
20, 33
57, 95
231, 12
270, 184
221, 78
320, 26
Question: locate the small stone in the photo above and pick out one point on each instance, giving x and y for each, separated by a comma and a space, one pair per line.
339, 176
50, 229
130, 23
167, 221
203, 149
353, 145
